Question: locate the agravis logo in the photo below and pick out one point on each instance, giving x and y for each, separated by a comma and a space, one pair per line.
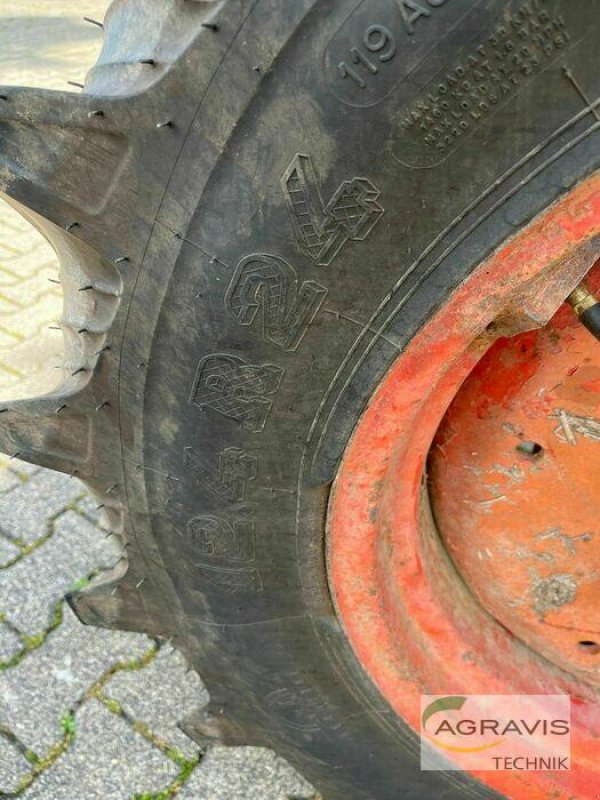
495, 732
453, 704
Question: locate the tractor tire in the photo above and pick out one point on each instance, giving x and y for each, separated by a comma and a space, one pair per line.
257, 205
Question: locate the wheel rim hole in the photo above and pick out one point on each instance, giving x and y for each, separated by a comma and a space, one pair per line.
530, 449
589, 647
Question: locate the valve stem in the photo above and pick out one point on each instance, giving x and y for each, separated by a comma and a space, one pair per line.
587, 308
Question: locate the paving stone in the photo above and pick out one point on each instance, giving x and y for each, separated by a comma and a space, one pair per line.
128, 766
89, 507
161, 704
43, 313
21, 260
8, 480
244, 773
27, 509
36, 694
30, 589
10, 644
23, 469
8, 551
40, 354
8, 339
10, 380
28, 290
8, 307
13, 766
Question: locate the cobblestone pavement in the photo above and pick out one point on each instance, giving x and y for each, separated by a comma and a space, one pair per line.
87, 713
84, 713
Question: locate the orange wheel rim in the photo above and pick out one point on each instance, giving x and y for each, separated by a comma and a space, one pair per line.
418, 609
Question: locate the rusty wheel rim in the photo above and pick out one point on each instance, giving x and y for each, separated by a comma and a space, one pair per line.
426, 609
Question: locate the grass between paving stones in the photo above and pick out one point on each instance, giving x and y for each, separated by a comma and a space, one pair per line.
34, 642
31, 643
186, 765
69, 719
27, 754
25, 548
40, 765
5, 461
69, 728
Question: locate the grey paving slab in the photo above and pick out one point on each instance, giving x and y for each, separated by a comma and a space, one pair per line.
88, 506
13, 766
10, 644
244, 773
26, 510
160, 704
35, 695
20, 468
30, 589
107, 760
8, 551
8, 479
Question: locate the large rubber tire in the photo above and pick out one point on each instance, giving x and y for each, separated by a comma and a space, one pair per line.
268, 211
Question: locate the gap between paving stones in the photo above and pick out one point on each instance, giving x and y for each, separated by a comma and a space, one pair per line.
21, 475
41, 764
69, 724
